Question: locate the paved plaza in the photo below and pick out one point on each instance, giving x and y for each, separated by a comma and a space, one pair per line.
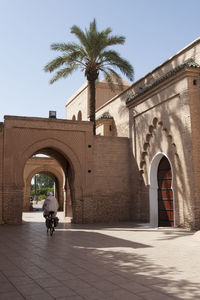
97, 262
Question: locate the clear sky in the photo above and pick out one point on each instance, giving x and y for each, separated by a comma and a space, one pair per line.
154, 30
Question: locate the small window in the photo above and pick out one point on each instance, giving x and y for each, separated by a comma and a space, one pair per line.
79, 118
194, 82
74, 118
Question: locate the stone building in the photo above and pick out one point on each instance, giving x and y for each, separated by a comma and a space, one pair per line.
160, 115
142, 166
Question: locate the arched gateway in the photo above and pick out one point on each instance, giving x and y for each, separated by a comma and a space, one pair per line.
65, 141
85, 159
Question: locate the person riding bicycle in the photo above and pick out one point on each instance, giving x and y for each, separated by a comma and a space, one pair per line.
50, 205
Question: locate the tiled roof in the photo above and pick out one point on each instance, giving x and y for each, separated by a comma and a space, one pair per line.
188, 63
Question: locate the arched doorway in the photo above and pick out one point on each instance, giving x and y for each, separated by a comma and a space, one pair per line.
161, 191
47, 166
65, 141
165, 194
65, 184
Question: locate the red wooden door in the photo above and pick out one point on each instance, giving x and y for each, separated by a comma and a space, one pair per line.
165, 194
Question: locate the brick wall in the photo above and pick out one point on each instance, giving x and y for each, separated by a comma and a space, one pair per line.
194, 101
112, 194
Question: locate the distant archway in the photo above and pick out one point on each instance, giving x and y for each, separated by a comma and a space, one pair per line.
74, 118
64, 140
160, 193
53, 173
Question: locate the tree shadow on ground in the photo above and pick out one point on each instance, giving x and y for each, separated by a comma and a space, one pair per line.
88, 255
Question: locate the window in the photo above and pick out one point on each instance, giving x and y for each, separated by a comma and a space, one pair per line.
79, 117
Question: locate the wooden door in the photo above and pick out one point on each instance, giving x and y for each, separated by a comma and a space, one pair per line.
165, 194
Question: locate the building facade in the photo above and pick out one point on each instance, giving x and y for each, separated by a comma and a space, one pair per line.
160, 116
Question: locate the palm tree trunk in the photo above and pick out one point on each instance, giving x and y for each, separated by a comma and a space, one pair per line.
92, 101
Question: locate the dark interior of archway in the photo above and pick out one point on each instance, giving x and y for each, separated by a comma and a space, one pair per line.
165, 194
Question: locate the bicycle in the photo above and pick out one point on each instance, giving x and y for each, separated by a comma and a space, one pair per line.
51, 222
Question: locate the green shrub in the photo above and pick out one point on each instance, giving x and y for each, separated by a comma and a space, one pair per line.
42, 193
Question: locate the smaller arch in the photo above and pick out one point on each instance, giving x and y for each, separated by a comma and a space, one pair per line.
74, 118
148, 137
79, 117
142, 163
155, 121
57, 176
170, 137
146, 146
151, 128
144, 153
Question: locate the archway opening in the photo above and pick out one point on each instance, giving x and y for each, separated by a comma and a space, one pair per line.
41, 185
161, 192
49, 163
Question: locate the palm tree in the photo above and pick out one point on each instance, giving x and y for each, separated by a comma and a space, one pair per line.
92, 56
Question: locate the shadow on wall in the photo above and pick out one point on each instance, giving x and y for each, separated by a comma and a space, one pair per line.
114, 128
139, 192
167, 127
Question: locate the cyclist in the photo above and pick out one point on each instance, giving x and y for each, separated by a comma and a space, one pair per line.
50, 204
50, 207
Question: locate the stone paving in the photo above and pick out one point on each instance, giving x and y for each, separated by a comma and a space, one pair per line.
97, 262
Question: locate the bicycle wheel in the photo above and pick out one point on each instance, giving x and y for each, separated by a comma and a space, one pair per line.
51, 229
47, 224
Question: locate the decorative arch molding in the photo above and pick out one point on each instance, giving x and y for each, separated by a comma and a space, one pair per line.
152, 128
58, 147
45, 169
71, 167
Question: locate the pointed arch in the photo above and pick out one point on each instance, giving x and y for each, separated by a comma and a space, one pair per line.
51, 171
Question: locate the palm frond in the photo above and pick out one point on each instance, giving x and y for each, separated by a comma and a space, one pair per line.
80, 35
64, 47
93, 27
115, 40
112, 77
108, 79
116, 76
63, 73
54, 64
113, 58
107, 31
